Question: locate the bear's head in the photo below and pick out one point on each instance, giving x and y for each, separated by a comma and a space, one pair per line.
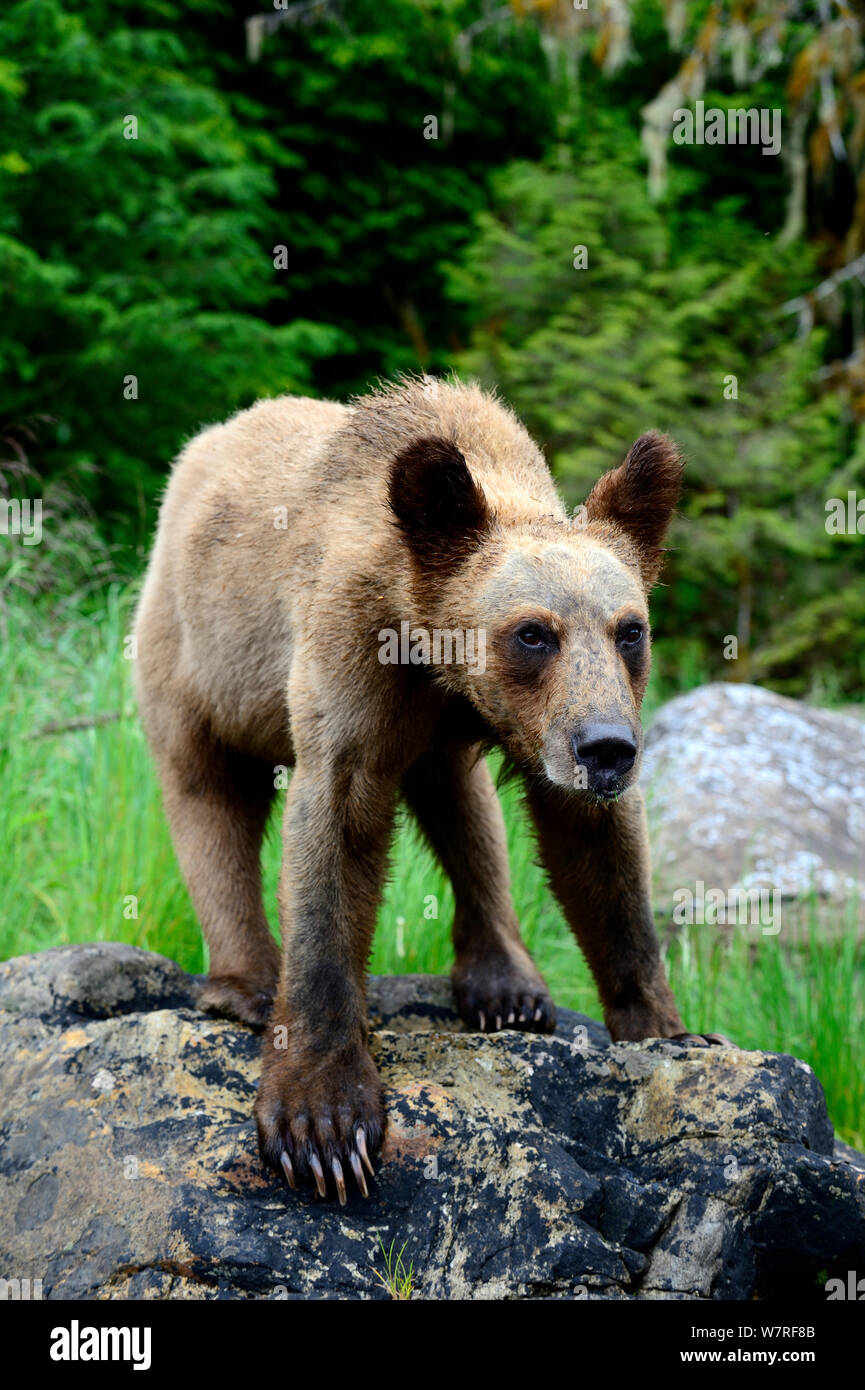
560, 607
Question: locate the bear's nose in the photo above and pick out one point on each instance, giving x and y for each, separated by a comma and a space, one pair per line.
607, 751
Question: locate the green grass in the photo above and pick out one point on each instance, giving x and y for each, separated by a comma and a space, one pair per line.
397, 1280
83, 832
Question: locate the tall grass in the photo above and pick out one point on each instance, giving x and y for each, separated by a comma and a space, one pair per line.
82, 829
87, 856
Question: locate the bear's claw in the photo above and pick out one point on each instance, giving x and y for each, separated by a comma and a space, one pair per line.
357, 1169
537, 1016
318, 1125
357, 1159
502, 991
288, 1170
702, 1040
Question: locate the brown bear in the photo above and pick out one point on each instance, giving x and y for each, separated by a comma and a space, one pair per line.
294, 542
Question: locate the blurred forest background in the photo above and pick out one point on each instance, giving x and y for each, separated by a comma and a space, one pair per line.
305, 129
283, 223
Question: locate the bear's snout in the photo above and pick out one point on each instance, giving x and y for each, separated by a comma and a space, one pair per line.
607, 752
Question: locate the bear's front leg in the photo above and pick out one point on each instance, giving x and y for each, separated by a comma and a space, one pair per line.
496, 982
597, 858
319, 1109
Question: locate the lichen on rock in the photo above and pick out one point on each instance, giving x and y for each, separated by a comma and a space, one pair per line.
515, 1166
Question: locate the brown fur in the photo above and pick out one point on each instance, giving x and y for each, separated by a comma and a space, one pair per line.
258, 647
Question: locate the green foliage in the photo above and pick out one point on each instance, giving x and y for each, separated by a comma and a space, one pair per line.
130, 257
153, 258
367, 205
686, 337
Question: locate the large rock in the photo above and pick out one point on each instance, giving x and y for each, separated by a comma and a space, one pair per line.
747, 788
515, 1166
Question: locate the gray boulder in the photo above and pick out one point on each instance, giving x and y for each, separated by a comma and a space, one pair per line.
745, 788
516, 1166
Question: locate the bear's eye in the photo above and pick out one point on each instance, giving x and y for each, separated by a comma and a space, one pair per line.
630, 634
535, 637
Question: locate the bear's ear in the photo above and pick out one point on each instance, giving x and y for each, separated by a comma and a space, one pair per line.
440, 510
639, 497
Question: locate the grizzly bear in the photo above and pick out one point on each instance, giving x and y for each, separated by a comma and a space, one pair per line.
291, 541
